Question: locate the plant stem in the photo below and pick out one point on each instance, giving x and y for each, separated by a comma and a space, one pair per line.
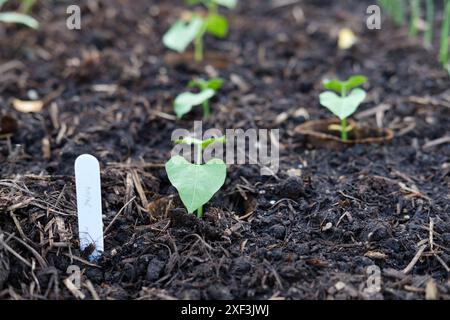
428, 37
199, 162
415, 14
443, 51
198, 44
344, 133
398, 7
206, 109
200, 212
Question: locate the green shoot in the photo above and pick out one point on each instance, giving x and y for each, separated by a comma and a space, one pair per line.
18, 18
415, 16
186, 101
428, 36
183, 33
443, 51
196, 183
345, 102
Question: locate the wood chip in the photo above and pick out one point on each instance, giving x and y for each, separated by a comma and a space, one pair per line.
28, 106
431, 290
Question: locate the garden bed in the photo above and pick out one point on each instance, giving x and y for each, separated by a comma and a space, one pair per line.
318, 224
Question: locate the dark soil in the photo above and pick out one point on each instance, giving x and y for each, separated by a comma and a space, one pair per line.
318, 224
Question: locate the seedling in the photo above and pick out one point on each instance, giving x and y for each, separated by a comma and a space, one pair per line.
196, 183
346, 104
194, 26
19, 18
187, 100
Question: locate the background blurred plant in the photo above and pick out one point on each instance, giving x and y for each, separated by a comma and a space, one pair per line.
398, 9
187, 100
194, 26
21, 17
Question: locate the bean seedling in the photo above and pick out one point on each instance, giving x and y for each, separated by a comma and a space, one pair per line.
196, 183
193, 28
346, 104
187, 100
17, 17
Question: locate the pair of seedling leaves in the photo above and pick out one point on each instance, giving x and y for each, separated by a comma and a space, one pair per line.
196, 183
348, 100
183, 32
18, 17
184, 102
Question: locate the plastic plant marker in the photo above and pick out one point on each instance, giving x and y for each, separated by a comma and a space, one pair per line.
182, 33
342, 107
89, 204
196, 184
184, 102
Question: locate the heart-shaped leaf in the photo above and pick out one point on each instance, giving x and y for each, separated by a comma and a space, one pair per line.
184, 102
182, 33
342, 107
216, 25
196, 184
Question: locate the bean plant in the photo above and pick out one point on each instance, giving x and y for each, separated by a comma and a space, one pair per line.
187, 100
196, 182
342, 99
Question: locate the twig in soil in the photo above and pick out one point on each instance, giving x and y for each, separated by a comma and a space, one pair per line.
72, 257
416, 258
91, 289
431, 235
118, 214
36, 254
73, 290
435, 143
138, 186
13, 252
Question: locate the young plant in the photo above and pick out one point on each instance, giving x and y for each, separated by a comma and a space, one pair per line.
345, 102
196, 183
192, 29
186, 101
19, 18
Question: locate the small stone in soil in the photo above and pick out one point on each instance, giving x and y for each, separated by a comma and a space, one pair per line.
155, 269
292, 188
278, 231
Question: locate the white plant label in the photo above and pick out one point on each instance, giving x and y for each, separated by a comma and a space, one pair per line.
89, 204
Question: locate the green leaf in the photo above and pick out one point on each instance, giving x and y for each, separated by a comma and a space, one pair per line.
14, 17
193, 2
2, 2
230, 4
214, 84
196, 184
182, 33
354, 82
217, 25
203, 143
185, 101
342, 107
338, 86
